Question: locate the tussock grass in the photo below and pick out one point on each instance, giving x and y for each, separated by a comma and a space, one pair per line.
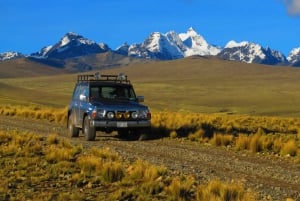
180, 188
242, 132
35, 112
218, 191
57, 170
253, 133
221, 139
113, 172
289, 148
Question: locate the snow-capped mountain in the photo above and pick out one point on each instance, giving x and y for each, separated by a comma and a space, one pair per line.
71, 45
196, 45
156, 46
161, 46
10, 55
251, 53
170, 46
294, 57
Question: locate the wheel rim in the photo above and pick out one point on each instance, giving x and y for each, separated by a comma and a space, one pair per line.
85, 126
70, 125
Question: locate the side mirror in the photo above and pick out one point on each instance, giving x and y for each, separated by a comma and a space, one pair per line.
140, 99
82, 97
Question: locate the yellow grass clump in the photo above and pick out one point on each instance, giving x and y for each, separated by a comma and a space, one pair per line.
289, 148
58, 170
35, 112
218, 191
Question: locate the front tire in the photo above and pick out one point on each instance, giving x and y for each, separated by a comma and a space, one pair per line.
73, 131
88, 130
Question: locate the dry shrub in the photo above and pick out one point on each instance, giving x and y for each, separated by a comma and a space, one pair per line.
277, 145
105, 154
58, 115
197, 136
56, 154
53, 138
255, 143
142, 170
218, 191
173, 134
76, 178
112, 172
70, 196
180, 188
289, 148
242, 142
267, 142
221, 139
90, 164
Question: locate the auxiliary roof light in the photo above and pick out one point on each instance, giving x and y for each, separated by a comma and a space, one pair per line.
121, 76
97, 76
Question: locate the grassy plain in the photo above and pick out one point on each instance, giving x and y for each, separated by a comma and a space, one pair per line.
235, 95
195, 84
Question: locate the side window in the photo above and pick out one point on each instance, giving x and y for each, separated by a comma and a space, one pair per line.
85, 91
76, 93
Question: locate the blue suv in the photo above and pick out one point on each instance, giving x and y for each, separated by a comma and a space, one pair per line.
107, 103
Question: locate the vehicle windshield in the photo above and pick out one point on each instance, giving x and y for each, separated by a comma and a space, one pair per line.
112, 92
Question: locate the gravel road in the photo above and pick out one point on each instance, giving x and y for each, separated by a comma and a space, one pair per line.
272, 177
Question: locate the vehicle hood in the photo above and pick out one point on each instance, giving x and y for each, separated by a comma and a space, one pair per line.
119, 105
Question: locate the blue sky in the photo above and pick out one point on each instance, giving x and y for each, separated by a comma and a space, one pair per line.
29, 25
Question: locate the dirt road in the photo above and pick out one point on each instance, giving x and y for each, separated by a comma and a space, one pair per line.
274, 178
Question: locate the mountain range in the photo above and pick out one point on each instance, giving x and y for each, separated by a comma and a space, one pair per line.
157, 46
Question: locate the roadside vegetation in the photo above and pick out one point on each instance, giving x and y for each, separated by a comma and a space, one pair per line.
257, 134
34, 167
274, 135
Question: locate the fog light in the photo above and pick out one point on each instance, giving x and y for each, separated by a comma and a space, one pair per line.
119, 115
127, 115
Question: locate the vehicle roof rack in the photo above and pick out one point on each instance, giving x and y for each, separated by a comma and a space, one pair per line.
120, 78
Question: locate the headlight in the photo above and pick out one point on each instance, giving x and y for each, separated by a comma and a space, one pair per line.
110, 115
101, 113
134, 115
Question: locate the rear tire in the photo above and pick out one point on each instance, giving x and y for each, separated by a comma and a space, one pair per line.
88, 130
73, 131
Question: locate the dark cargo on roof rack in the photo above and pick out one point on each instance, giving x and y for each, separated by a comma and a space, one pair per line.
107, 103
121, 78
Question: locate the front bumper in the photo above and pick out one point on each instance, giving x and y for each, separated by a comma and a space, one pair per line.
121, 124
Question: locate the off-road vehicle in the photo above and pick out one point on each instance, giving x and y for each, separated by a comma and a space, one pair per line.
107, 103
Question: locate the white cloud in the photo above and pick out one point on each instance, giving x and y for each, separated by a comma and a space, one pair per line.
293, 6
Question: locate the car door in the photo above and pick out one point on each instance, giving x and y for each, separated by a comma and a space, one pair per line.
76, 105
83, 102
